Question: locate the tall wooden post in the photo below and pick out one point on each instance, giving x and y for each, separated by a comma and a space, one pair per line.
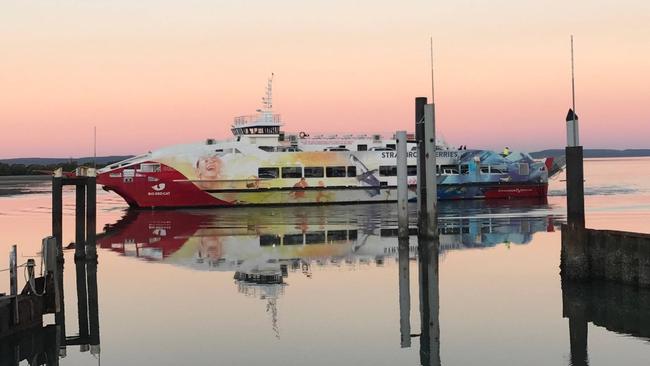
57, 210
431, 185
402, 185
13, 282
420, 102
91, 214
80, 221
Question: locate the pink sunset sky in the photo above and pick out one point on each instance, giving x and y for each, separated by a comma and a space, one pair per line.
152, 73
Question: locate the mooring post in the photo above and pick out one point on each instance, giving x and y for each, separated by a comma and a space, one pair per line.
57, 210
80, 221
420, 102
402, 185
431, 170
404, 293
13, 282
91, 213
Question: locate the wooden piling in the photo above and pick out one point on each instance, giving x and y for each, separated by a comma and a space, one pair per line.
575, 186
91, 214
80, 221
420, 102
431, 185
13, 282
402, 185
57, 210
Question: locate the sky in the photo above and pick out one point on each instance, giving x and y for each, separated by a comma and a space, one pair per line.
151, 73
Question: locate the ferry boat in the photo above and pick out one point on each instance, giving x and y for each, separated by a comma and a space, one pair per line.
263, 165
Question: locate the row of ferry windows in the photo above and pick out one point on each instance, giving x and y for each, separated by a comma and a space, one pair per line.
411, 170
307, 172
313, 237
269, 130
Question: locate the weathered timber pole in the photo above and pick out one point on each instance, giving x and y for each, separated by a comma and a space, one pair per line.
80, 221
57, 210
420, 102
575, 192
13, 282
404, 293
431, 170
91, 214
402, 185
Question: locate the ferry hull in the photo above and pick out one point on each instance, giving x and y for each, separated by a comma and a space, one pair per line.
170, 189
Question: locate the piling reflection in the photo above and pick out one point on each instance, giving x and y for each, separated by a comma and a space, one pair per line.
429, 301
617, 308
46, 345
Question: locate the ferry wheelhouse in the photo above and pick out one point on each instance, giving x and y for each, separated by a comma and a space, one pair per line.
263, 165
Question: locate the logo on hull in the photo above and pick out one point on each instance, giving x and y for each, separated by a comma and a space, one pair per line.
158, 187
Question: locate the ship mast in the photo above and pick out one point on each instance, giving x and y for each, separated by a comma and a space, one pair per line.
267, 101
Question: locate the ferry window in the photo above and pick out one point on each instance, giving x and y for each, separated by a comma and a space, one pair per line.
293, 239
449, 169
524, 169
335, 171
268, 240
362, 147
387, 171
336, 235
391, 146
267, 148
498, 169
268, 173
464, 169
352, 235
314, 172
149, 168
388, 233
412, 170
317, 237
352, 171
292, 172
485, 169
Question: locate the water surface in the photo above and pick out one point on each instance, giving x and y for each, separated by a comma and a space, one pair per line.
321, 285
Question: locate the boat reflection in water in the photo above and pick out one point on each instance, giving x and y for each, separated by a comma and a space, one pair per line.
265, 243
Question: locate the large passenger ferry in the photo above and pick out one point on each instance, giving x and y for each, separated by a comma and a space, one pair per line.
263, 165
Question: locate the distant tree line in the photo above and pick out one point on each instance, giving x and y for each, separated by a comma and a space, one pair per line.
40, 169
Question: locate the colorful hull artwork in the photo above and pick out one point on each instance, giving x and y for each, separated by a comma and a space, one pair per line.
262, 165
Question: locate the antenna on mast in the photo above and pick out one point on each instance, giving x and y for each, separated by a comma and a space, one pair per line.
268, 99
573, 85
433, 95
95, 147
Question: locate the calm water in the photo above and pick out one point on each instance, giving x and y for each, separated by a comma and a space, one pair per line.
168, 292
